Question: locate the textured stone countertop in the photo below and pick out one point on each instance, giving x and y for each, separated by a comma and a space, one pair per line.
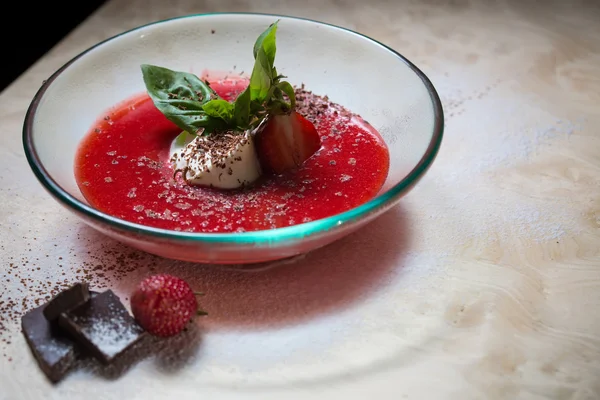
483, 283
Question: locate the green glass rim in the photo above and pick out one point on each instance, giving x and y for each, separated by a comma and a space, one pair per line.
270, 236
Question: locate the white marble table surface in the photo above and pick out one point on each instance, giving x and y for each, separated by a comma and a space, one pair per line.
484, 283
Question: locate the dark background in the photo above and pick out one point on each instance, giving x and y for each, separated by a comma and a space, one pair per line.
28, 39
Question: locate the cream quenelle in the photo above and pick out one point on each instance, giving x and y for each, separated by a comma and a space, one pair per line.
225, 161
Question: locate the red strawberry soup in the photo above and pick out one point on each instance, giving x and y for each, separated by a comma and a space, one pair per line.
314, 158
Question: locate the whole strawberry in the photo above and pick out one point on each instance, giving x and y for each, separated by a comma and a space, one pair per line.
164, 304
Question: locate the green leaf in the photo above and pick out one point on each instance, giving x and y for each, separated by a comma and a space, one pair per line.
266, 41
287, 88
180, 96
183, 139
192, 105
219, 108
278, 107
263, 72
261, 79
241, 111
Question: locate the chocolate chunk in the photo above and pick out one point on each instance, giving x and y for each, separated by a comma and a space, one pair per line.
67, 300
54, 352
102, 325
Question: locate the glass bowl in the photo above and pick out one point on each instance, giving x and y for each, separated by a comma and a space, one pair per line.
360, 73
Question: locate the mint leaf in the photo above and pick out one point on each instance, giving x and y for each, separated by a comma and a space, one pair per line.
266, 41
180, 96
219, 108
241, 110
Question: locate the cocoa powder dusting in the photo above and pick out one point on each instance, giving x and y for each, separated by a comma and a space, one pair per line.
31, 278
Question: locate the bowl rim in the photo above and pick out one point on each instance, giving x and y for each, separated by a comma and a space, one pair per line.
270, 236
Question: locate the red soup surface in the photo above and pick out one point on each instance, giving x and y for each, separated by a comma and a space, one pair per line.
122, 168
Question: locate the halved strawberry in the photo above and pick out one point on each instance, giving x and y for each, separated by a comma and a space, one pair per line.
286, 142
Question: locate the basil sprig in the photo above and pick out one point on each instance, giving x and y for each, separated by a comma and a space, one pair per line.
193, 105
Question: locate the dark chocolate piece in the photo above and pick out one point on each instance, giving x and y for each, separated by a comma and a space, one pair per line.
54, 352
102, 325
67, 300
